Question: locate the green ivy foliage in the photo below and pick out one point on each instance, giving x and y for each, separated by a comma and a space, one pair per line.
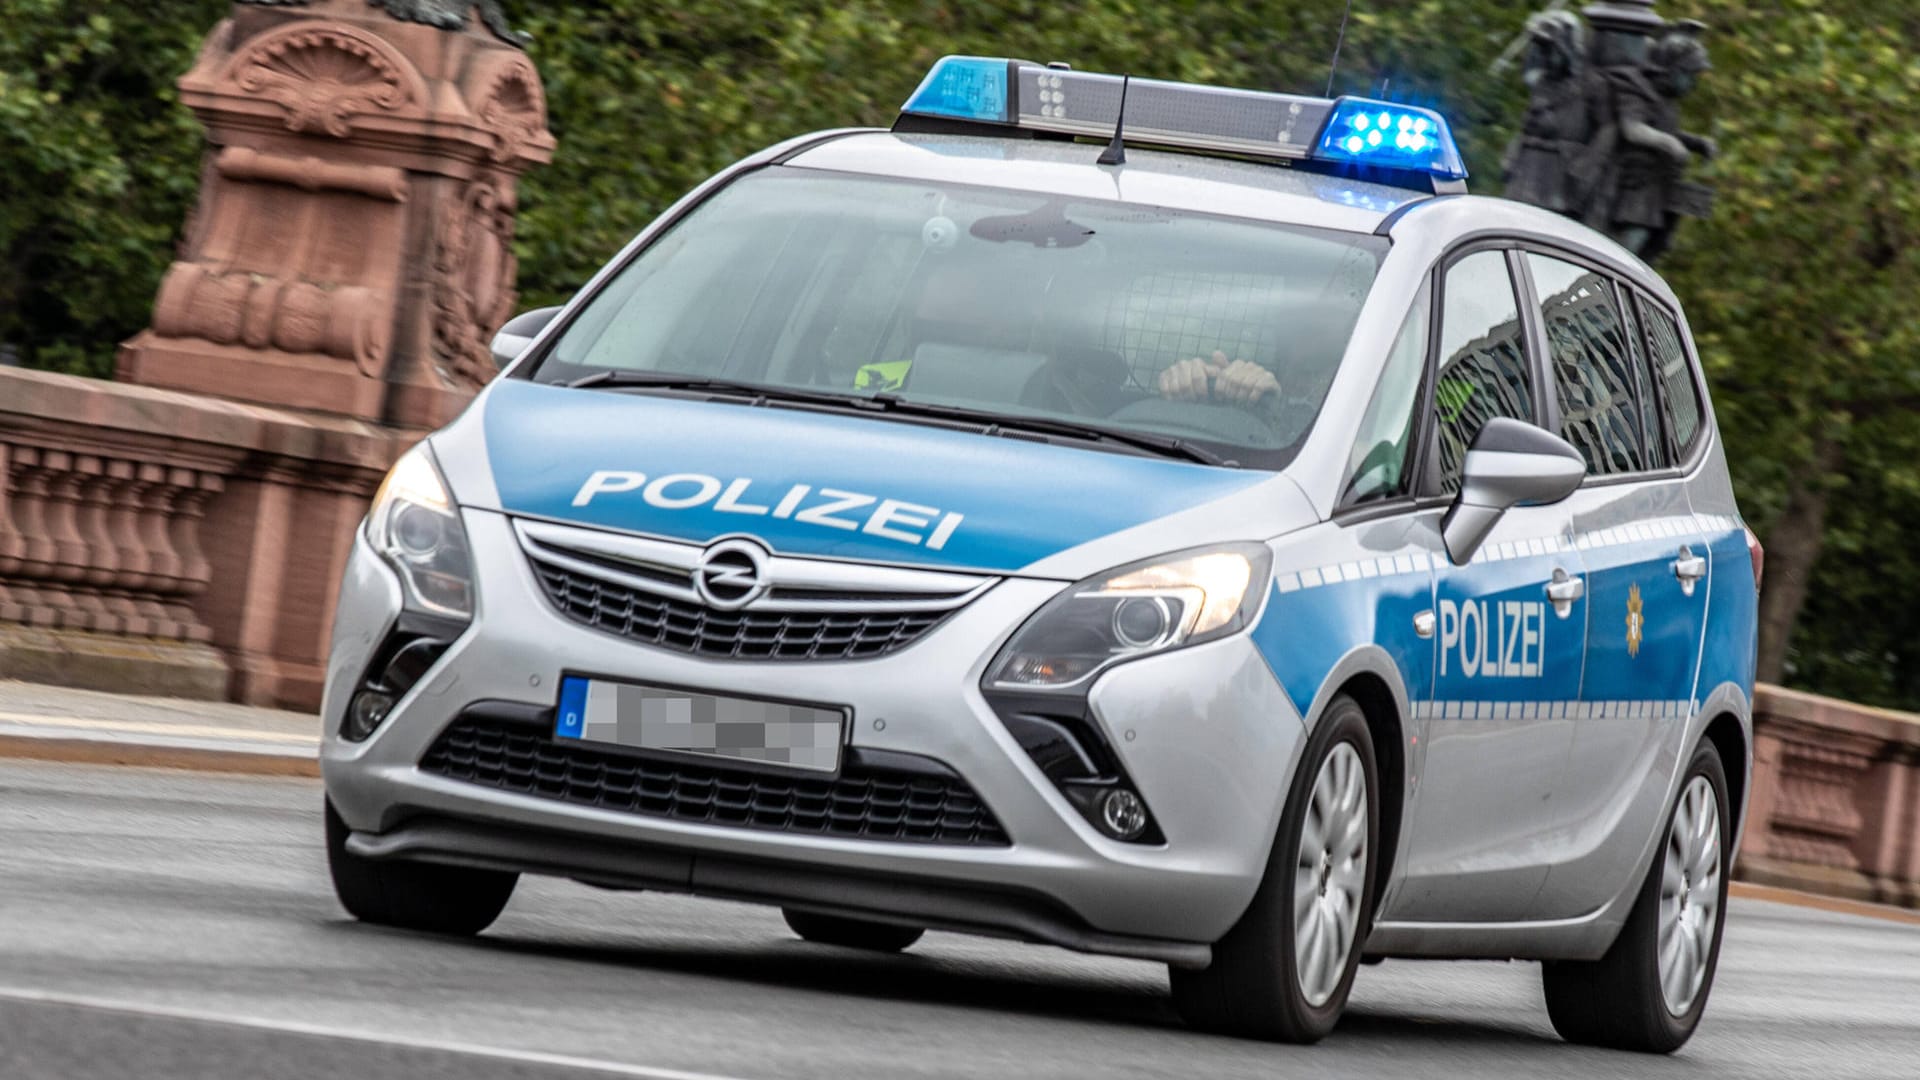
98, 167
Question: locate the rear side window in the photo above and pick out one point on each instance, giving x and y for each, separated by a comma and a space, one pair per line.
1592, 365
1650, 430
1483, 361
1673, 375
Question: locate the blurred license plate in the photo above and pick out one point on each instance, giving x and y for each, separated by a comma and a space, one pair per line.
651, 718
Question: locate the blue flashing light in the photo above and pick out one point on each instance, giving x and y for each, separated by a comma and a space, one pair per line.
964, 88
1385, 135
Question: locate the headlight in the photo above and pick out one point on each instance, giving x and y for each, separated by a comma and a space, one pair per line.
415, 524
1149, 607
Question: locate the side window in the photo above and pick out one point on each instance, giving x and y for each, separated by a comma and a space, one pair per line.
1652, 436
1483, 361
1378, 466
1674, 375
1592, 368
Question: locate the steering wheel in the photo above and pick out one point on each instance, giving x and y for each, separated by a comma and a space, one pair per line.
1199, 420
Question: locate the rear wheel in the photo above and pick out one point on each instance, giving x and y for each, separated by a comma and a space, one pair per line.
1284, 971
851, 933
454, 900
1648, 991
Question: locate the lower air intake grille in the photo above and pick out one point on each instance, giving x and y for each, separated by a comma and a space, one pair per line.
739, 635
864, 802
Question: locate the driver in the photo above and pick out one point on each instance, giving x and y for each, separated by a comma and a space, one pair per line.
1228, 382
962, 305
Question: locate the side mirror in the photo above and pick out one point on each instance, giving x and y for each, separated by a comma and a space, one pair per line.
513, 338
1511, 463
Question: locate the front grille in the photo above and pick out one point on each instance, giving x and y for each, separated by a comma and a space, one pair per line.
740, 635
865, 802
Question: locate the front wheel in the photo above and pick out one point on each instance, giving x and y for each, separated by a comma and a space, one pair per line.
1284, 971
1648, 991
456, 900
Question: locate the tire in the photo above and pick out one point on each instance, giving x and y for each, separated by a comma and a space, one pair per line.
453, 900
851, 933
1255, 986
1622, 1000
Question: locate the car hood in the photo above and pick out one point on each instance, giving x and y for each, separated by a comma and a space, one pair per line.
840, 486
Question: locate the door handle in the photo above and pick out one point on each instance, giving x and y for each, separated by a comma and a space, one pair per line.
1564, 590
1689, 568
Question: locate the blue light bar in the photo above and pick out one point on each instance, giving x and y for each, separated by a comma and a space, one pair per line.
1390, 136
1350, 131
963, 88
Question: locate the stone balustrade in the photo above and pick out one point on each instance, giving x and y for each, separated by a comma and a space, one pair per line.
1836, 798
99, 540
165, 542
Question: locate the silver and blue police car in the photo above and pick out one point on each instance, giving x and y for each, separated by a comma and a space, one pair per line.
1252, 554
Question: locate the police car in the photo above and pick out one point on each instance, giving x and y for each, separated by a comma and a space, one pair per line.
1236, 548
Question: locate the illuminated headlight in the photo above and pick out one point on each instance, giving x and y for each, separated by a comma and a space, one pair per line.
1138, 610
416, 526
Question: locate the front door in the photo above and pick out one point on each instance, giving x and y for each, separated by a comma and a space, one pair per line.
1497, 730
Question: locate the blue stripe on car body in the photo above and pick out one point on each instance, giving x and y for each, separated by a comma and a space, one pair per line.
1010, 501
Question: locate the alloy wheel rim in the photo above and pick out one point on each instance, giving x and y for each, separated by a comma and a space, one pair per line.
1330, 874
1689, 896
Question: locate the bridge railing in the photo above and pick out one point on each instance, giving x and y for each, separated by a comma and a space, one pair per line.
1836, 798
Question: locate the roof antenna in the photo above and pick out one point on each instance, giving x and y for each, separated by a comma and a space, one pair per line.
1116, 151
1337, 42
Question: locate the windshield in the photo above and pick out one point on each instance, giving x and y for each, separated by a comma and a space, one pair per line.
1221, 332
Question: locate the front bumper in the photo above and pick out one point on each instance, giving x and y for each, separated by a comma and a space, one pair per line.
1206, 733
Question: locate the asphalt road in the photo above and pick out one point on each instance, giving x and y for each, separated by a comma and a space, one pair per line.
173, 925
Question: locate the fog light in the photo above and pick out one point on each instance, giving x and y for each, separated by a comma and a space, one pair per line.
1122, 814
365, 712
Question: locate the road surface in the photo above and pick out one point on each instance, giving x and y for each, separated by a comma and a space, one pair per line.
180, 925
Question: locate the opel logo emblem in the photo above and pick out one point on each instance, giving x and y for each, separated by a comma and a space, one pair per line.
731, 574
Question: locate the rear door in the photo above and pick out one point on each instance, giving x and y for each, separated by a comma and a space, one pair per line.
1645, 560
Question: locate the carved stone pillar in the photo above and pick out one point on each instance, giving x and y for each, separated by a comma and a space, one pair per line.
182, 530
352, 248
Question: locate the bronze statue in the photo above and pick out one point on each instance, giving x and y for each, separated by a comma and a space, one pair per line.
1602, 140
445, 14
1559, 122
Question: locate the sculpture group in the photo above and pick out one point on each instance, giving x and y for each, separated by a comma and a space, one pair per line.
1602, 141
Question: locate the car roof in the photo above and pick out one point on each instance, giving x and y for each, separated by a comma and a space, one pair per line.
1260, 191
1176, 181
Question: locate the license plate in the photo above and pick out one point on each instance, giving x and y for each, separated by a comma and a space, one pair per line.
653, 718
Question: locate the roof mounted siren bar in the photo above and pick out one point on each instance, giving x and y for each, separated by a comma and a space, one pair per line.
1403, 145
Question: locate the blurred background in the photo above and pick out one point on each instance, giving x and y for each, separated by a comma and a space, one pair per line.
1801, 287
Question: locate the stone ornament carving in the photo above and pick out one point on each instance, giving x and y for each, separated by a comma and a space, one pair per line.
346, 322
324, 74
310, 173
474, 271
354, 233
513, 106
445, 14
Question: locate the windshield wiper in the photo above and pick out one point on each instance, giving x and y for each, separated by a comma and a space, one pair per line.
1163, 445
985, 422
616, 379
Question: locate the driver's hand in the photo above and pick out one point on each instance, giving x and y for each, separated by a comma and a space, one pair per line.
1230, 381
1243, 382
1188, 380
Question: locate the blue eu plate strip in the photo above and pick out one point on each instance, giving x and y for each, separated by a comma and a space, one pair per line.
570, 719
